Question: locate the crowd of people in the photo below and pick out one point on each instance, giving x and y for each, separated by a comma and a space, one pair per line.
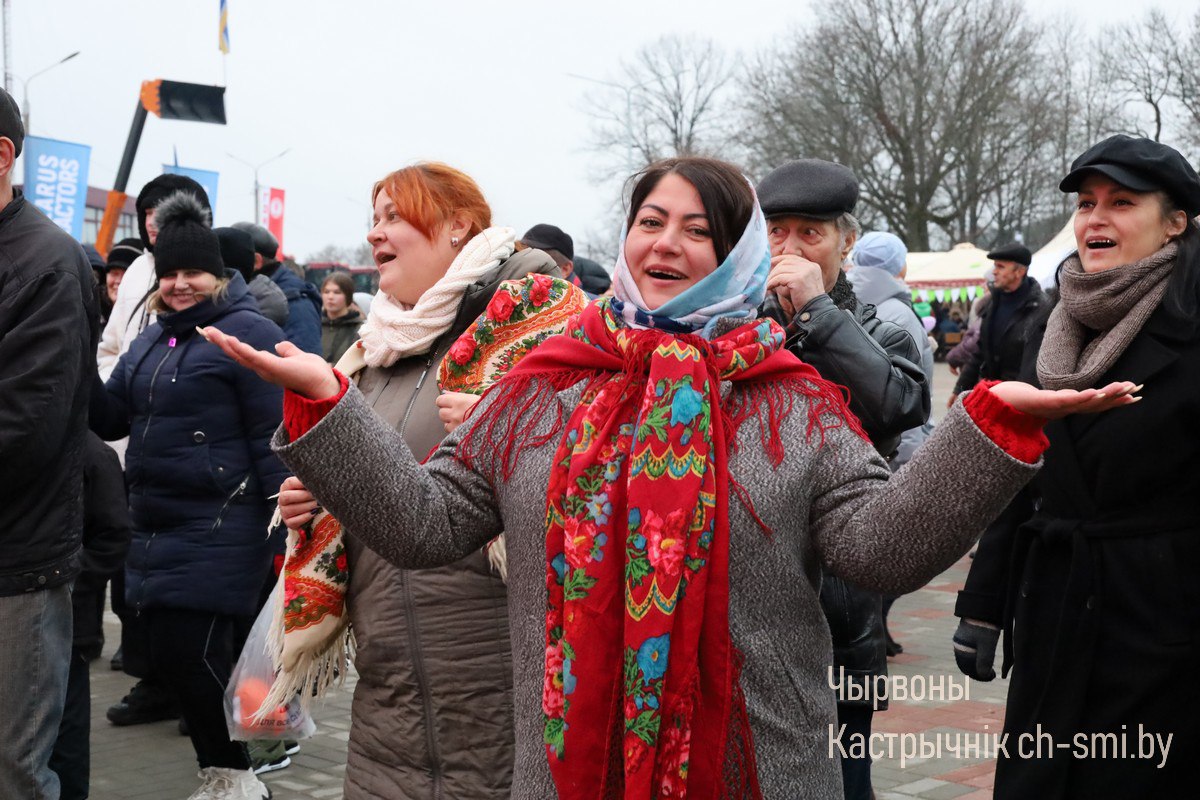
593, 534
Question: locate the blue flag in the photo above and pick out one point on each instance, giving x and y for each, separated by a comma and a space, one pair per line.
205, 177
56, 180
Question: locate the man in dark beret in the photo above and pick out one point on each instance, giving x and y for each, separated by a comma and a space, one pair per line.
809, 205
1017, 308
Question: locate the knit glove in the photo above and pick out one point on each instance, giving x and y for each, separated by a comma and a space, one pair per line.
975, 648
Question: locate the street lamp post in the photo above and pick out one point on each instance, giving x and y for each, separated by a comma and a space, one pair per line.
25, 85
256, 168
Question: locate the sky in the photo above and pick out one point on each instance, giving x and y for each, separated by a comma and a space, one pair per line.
357, 88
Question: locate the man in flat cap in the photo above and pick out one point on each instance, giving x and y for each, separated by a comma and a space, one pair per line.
809, 205
48, 333
1011, 318
556, 243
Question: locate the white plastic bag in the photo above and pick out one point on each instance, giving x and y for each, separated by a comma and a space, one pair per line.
249, 685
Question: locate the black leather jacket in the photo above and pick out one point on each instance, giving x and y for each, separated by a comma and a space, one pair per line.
876, 360
880, 365
48, 340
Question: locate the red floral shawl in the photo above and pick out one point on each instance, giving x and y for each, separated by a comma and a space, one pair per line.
641, 696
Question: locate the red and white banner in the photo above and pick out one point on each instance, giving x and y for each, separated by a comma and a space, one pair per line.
272, 214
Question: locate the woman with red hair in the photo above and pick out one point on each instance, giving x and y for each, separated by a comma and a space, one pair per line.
432, 711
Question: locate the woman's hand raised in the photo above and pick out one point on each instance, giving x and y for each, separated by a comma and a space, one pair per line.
304, 373
297, 506
1049, 404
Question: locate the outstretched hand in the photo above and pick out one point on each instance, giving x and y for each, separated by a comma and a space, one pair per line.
1050, 404
306, 374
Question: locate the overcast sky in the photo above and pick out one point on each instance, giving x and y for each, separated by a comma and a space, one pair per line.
357, 88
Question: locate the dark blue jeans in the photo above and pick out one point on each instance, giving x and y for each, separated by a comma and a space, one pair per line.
35, 656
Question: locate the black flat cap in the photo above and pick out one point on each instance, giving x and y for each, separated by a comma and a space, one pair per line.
265, 243
1142, 165
550, 237
237, 250
1014, 251
10, 122
809, 187
124, 253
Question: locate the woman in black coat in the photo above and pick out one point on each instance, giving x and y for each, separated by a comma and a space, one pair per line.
1092, 573
200, 473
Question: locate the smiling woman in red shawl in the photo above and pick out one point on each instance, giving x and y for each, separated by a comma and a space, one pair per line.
672, 484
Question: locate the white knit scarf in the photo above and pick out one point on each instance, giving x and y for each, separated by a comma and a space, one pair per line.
394, 330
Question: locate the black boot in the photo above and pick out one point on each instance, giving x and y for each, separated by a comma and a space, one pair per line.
146, 702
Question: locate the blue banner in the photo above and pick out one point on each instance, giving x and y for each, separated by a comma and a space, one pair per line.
205, 177
56, 180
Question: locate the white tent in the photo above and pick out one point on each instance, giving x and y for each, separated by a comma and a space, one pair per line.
965, 265
1046, 260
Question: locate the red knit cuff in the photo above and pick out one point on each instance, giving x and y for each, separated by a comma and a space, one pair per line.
300, 414
1017, 433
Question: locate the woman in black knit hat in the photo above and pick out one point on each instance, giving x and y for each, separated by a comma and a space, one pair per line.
199, 471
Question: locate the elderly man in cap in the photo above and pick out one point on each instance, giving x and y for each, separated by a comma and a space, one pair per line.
48, 332
809, 205
1012, 317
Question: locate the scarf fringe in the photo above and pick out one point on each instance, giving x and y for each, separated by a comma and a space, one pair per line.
740, 768
518, 405
313, 670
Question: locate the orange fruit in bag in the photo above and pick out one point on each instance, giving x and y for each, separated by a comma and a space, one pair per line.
251, 692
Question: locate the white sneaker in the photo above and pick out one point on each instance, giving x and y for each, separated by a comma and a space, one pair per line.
220, 783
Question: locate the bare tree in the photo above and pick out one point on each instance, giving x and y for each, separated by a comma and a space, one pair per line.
665, 101
669, 99
1140, 61
937, 105
1186, 58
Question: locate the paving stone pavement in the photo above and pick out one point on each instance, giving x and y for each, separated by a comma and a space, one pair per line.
153, 762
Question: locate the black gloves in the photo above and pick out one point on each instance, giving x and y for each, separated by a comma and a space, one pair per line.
975, 648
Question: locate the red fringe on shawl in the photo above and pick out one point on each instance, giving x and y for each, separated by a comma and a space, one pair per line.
514, 407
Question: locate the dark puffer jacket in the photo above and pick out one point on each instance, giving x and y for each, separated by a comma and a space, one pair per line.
1002, 352
303, 326
198, 466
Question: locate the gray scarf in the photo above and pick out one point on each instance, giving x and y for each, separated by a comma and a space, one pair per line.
1110, 307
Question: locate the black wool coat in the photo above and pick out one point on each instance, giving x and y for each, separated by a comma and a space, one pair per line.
1094, 574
